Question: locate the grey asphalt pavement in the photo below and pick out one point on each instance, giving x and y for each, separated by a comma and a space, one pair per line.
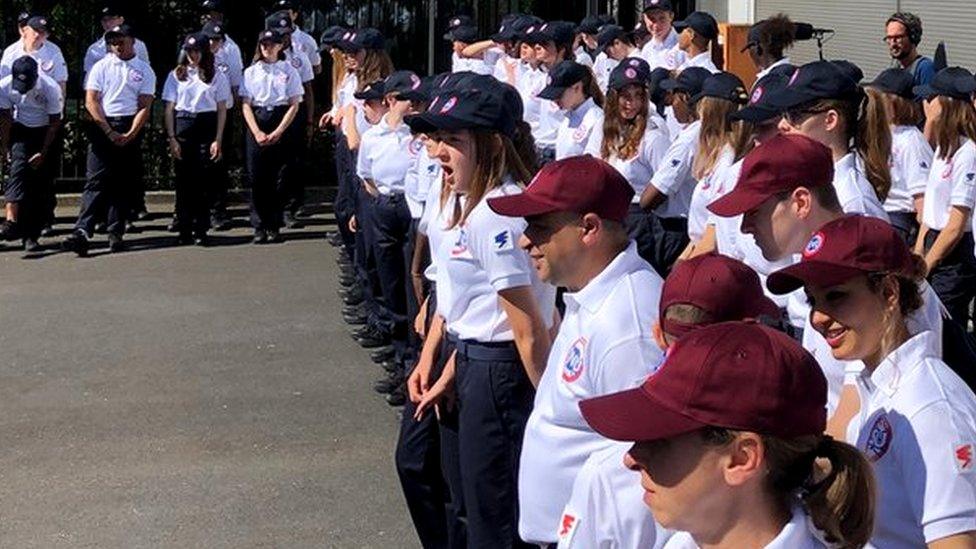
184, 397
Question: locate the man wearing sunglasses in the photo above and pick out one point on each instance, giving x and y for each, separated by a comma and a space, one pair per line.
903, 34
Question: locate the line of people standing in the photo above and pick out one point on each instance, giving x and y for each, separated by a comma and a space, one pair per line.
743, 350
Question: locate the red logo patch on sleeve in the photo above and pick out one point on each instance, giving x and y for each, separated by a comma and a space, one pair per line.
567, 527
964, 457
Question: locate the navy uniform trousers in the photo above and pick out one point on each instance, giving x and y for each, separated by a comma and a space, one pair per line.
112, 173
264, 166
27, 186
954, 279
196, 173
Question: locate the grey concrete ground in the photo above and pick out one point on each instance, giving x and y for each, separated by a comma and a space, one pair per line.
184, 397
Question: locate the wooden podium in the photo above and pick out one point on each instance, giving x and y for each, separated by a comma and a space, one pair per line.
728, 52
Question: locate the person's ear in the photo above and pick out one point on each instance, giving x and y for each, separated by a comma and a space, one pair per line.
801, 202
831, 120
591, 228
658, 334
890, 292
745, 460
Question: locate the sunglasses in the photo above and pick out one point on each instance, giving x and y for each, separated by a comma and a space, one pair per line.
796, 117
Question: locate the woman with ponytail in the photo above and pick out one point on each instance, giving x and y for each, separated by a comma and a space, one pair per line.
825, 102
728, 440
574, 90
916, 421
553, 44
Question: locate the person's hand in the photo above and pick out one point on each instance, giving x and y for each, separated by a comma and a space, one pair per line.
420, 321
325, 121
261, 138
353, 225
274, 137
419, 381
441, 394
118, 139
36, 161
174, 149
216, 151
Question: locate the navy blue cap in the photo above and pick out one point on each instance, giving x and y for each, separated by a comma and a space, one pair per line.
271, 35
373, 90
119, 31
460, 21
212, 5
817, 80
723, 85
640, 31
562, 76
400, 82
196, 41
468, 35
280, 21
511, 28
658, 5
214, 29
608, 34
700, 22
24, 74
362, 39
559, 32
39, 23
753, 37
689, 81
894, 81
954, 82
284, 5
654, 80
511, 99
632, 70
422, 93
590, 24
331, 36
470, 109
23, 17
759, 109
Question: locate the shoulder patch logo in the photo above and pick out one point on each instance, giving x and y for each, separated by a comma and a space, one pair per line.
814, 246
879, 439
574, 362
964, 457
567, 527
503, 241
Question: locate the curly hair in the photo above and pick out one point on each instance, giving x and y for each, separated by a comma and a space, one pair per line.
912, 23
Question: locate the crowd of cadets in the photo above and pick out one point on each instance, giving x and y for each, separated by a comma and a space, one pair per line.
274, 94
624, 300
627, 302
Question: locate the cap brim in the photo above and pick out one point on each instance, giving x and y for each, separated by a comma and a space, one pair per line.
367, 96
502, 37
755, 114
747, 46
346, 45
737, 202
633, 416
925, 90
818, 273
20, 87
428, 122
551, 92
669, 84
680, 25
788, 98
520, 205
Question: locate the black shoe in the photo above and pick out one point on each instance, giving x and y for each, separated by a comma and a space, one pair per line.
392, 367
48, 230
31, 245
292, 222
185, 239
388, 384
220, 223
115, 243
397, 398
142, 215
380, 356
372, 340
344, 261
131, 227
352, 291
348, 281
355, 319
76, 242
101, 228
260, 237
363, 332
352, 310
335, 239
274, 237
174, 225
10, 231
353, 299
201, 240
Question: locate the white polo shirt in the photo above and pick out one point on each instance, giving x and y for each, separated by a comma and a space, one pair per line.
526, 84
854, 191
434, 223
710, 188
194, 95
550, 115
606, 509
420, 175
604, 345
665, 54
346, 91
917, 426
299, 61
799, 533
99, 49
673, 176
50, 60
581, 131
485, 259
35, 108
769, 69
502, 66
603, 65
952, 182
639, 169
121, 83
232, 67
385, 155
307, 45
702, 60
582, 57
268, 85
911, 160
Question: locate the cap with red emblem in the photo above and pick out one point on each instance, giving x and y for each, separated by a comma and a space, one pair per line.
779, 165
845, 248
724, 288
734, 375
581, 184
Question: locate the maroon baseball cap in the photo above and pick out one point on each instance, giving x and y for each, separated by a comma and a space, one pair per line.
736, 375
581, 184
725, 288
781, 164
842, 249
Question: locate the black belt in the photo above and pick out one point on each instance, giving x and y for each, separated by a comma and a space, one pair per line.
187, 115
502, 351
126, 118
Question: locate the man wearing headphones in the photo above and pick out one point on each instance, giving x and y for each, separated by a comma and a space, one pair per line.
903, 34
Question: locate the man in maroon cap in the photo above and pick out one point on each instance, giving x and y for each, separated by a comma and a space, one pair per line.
575, 209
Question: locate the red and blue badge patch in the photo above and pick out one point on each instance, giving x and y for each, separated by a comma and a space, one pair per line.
879, 439
575, 361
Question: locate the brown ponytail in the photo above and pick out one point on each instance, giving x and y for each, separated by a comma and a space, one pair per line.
591, 89
958, 119
873, 141
524, 145
496, 159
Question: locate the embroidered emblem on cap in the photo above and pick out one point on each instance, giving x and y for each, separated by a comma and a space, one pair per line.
433, 104
346, 36
44, 22
353, 37
267, 34
543, 27
22, 77
964, 457
634, 63
283, 23
655, 2
455, 22
879, 439
117, 29
530, 30
573, 363
416, 81
449, 105
740, 94
814, 246
630, 73
191, 40
793, 78
502, 29
217, 29
756, 95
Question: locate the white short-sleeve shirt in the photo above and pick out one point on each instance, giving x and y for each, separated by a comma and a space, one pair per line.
50, 60
606, 509
603, 65
702, 60
911, 160
550, 115
604, 345
194, 95
854, 191
484, 259
917, 426
99, 49
710, 188
639, 169
581, 131
952, 182
300, 62
526, 84
799, 533
271, 84
420, 175
307, 45
35, 108
385, 155
232, 67
673, 176
582, 57
665, 53
121, 83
